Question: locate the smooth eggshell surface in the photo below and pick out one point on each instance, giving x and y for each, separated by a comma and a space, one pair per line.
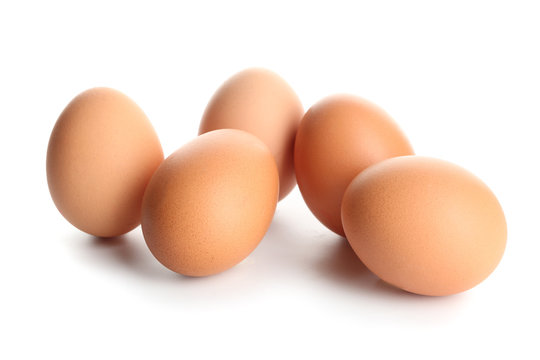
211, 202
262, 103
102, 153
424, 225
339, 137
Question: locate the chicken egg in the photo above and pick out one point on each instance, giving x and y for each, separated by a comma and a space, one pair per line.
424, 225
210, 203
339, 137
101, 155
262, 103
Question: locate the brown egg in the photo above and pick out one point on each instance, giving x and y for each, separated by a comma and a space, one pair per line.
262, 103
101, 155
339, 137
424, 225
211, 202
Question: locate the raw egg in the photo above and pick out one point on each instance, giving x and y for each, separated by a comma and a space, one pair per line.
339, 137
424, 225
102, 153
211, 202
262, 103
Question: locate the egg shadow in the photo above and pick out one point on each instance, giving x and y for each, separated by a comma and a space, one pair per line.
129, 254
283, 253
126, 252
282, 250
341, 264
333, 261
343, 268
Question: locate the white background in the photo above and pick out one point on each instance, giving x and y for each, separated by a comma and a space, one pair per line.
462, 79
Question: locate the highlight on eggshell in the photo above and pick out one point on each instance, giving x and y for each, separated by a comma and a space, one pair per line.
260, 102
101, 155
338, 137
424, 225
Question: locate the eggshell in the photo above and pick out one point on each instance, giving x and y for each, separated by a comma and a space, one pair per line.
262, 103
339, 137
102, 153
211, 202
424, 225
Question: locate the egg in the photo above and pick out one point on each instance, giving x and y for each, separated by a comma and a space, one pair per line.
424, 225
262, 103
339, 137
101, 155
210, 203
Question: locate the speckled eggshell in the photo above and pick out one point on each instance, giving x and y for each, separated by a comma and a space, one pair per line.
211, 202
102, 153
339, 137
262, 103
424, 225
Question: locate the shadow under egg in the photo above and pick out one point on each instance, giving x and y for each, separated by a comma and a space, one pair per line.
129, 252
342, 264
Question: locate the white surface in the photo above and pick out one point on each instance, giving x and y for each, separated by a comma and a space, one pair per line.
462, 80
